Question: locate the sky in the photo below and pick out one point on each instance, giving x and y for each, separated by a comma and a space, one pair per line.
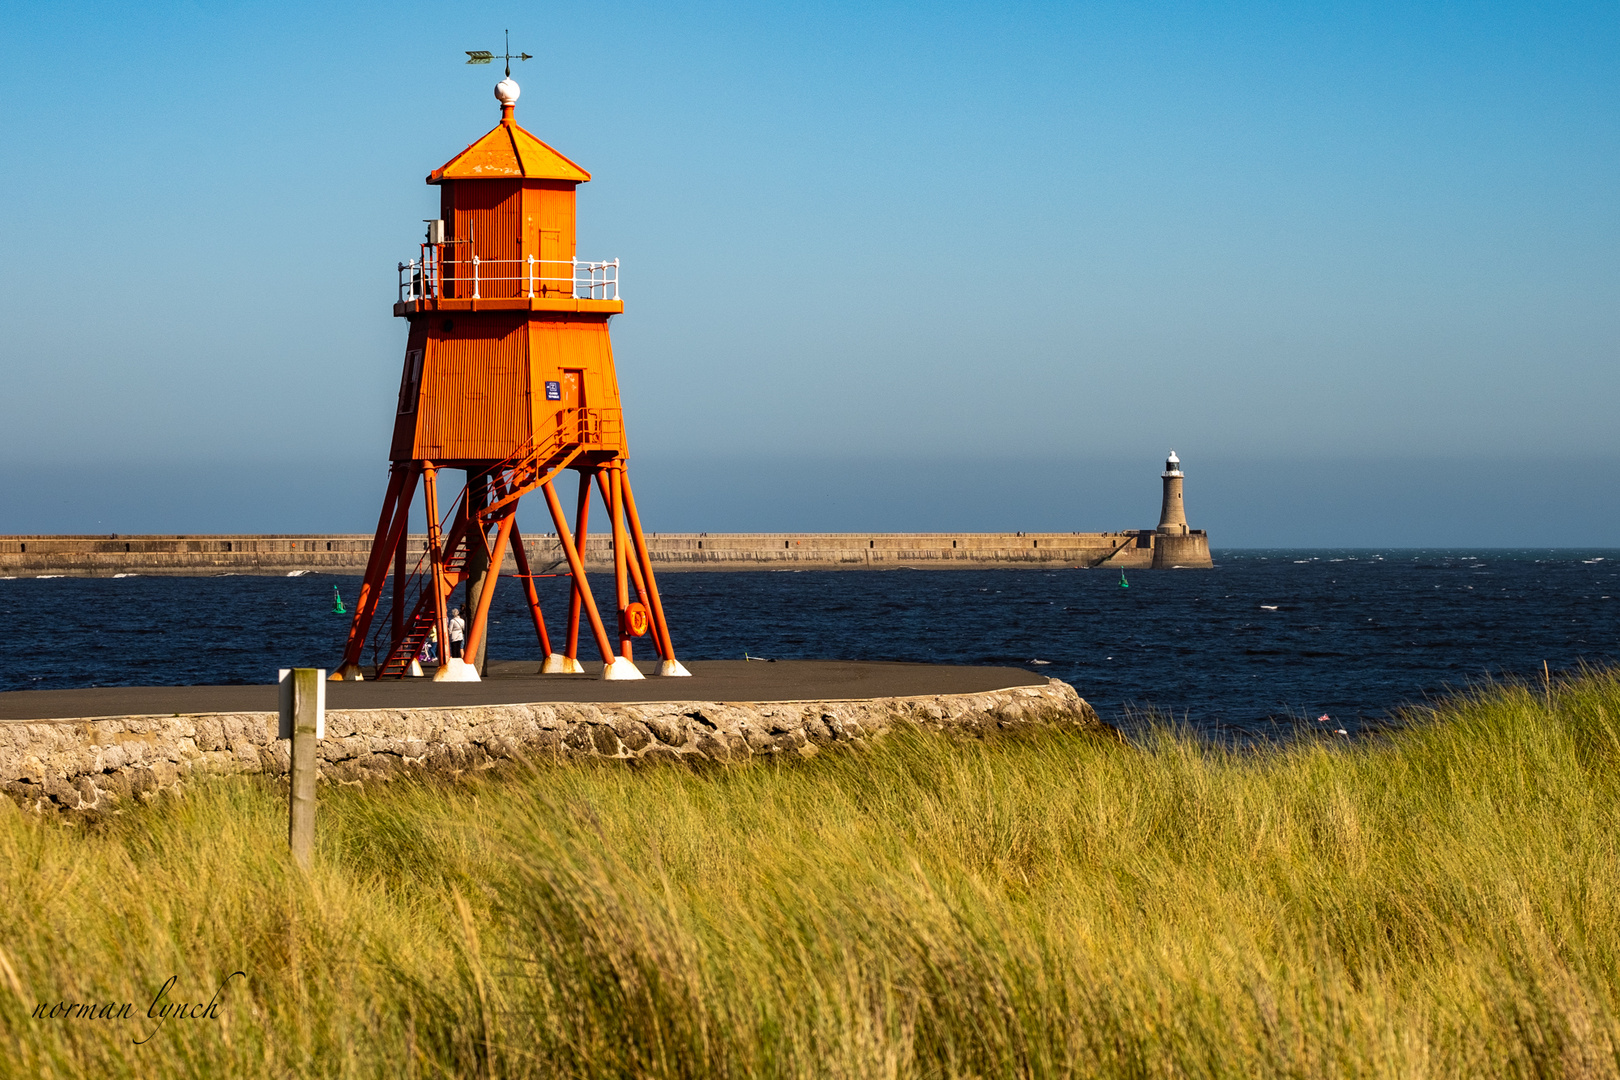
961, 266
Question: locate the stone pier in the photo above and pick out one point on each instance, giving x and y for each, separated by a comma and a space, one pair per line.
108, 762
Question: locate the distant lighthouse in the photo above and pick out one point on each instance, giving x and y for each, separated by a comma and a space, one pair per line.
1175, 545
1172, 515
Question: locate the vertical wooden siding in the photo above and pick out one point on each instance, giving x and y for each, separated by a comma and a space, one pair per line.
548, 228
475, 389
582, 343
489, 213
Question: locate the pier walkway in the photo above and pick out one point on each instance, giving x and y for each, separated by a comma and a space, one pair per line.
518, 683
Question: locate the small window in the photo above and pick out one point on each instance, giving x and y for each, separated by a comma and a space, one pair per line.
410, 386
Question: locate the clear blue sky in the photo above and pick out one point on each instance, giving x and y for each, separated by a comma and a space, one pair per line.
963, 266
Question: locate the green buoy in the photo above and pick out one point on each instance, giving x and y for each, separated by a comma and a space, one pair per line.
337, 602
1122, 582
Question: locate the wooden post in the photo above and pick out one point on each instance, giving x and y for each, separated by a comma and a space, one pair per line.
303, 720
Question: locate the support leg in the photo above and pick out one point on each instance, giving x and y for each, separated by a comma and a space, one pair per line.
522, 555
388, 522
577, 565
449, 670
606, 480
582, 517
476, 629
397, 609
633, 562
401, 554
670, 666
478, 559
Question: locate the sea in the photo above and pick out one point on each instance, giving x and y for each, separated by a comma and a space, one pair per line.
1268, 645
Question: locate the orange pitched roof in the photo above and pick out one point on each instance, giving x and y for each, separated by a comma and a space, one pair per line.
507, 153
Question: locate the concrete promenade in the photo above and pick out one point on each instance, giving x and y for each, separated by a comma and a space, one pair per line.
103, 556
104, 749
515, 682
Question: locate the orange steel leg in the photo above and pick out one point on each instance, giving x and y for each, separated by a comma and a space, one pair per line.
671, 666
605, 479
577, 566
475, 632
430, 495
398, 609
634, 563
581, 530
522, 556
390, 523
401, 541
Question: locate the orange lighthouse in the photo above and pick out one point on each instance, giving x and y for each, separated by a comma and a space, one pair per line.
509, 378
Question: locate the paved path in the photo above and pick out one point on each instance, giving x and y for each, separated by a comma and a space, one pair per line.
512, 683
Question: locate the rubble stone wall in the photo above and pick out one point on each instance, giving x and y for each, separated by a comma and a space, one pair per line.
107, 762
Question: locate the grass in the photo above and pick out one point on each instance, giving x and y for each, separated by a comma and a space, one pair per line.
1440, 903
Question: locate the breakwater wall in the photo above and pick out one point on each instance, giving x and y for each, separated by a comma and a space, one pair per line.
105, 763
104, 556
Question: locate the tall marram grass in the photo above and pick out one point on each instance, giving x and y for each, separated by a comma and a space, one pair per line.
1443, 903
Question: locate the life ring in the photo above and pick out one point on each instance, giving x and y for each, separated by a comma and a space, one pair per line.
635, 620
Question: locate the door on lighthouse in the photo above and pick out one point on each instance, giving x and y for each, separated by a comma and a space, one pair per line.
556, 270
573, 397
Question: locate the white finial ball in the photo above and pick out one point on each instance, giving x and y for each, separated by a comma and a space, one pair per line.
507, 91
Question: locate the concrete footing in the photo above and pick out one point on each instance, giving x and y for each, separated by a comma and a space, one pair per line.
456, 670
621, 670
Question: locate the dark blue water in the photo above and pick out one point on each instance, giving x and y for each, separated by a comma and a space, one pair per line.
1263, 644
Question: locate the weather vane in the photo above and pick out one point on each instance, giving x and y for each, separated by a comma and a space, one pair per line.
484, 56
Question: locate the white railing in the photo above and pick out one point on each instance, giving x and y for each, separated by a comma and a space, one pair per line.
439, 275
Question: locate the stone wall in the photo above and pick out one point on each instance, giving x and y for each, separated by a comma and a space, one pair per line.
1190, 551
106, 763
103, 556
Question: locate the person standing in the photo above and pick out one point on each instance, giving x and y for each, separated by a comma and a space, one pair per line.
458, 632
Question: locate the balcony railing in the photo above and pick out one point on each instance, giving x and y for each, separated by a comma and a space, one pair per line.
443, 274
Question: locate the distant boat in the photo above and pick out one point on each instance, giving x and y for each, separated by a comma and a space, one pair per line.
1268, 607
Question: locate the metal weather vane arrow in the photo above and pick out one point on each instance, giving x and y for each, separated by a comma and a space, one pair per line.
484, 56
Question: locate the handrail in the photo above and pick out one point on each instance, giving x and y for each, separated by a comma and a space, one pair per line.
438, 273
537, 461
